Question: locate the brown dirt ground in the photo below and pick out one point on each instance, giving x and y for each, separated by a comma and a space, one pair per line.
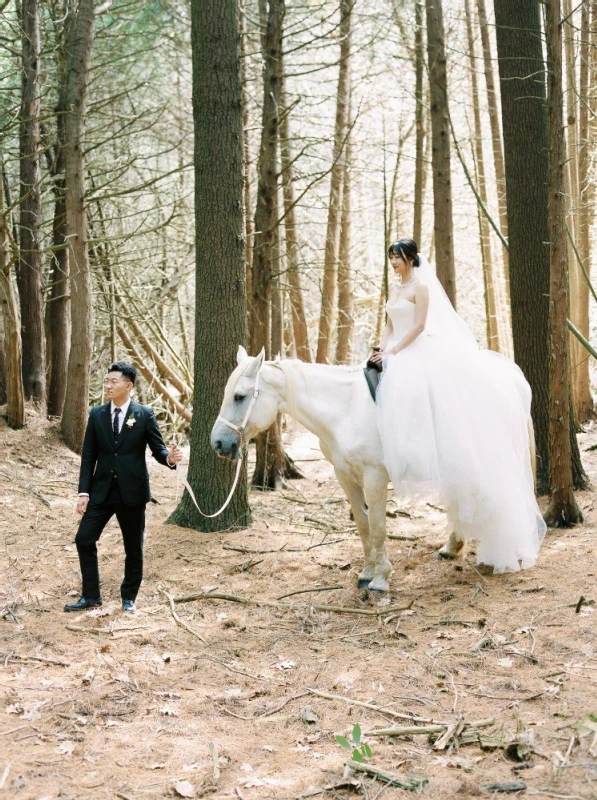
161, 697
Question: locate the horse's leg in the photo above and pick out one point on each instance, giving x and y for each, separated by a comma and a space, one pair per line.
376, 492
455, 542
356, 498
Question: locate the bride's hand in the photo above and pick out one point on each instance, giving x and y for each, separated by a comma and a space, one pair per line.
379, 356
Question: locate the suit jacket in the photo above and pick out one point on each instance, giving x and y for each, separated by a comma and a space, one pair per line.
102, 458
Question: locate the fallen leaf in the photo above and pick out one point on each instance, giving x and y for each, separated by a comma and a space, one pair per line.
504, 662
309, 715
168, 711
66, 748
184, 789
285, 665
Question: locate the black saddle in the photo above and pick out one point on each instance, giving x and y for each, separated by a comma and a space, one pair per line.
373, 371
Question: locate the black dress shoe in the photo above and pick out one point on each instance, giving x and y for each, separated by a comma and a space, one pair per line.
128, 605
83, 603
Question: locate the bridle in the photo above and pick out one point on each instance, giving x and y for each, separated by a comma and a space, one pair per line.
240, 429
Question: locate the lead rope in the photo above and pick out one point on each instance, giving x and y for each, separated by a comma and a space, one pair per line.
240, 429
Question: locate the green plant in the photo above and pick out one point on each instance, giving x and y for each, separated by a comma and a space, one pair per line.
360, 750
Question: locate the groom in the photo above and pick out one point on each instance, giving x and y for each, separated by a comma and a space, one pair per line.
114, 480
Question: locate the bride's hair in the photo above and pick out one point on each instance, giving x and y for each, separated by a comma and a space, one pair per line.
406, 249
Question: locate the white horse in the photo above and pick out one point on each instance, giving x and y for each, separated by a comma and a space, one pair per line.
334, 403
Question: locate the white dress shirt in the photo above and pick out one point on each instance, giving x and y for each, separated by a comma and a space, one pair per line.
123, 409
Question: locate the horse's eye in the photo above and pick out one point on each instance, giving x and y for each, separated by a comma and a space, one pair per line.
238, 398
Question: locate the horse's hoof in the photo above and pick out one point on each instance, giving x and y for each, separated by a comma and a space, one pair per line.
364, 583
377, 591
445, 555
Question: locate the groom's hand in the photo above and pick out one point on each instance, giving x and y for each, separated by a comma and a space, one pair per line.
174, 455
82, 503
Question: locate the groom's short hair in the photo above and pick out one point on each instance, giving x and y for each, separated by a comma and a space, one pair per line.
127, 370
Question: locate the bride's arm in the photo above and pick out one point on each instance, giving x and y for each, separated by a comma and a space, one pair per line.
421, 307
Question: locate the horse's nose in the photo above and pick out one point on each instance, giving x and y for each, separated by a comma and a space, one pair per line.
218, 446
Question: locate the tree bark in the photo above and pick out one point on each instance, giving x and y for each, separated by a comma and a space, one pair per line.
440, 135
15, 399
345, 283
79, 41
220, 254
563, 510
295, 293
496, 143
269, 467
247, 150
29, 276
493, 342
584, 401
327, 316
58, 306
419, 125
524, 119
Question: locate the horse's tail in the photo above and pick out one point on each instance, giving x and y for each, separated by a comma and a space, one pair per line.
532, 449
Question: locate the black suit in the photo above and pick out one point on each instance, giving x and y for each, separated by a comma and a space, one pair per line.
114, 474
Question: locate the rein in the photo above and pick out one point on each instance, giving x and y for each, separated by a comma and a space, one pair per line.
240, 429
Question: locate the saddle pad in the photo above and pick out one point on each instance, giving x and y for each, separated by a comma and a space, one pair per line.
372, 377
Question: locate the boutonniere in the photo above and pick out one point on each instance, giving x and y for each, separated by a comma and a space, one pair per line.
131, 420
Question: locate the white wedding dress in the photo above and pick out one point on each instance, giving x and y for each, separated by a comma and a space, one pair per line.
453, 422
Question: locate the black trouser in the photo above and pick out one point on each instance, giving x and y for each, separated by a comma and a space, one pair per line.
132, 524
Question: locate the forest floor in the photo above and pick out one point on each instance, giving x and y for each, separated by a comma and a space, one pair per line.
108, 705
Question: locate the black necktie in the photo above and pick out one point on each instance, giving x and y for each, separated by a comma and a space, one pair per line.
116, 430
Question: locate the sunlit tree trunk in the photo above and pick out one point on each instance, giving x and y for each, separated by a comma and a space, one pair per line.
295, 293
15, 400
563, 510
30, 264
79, 40
440, 134
345, 282
584, 399
419, 125
247, 149
332, 240
220, 255
496, 140
484, 237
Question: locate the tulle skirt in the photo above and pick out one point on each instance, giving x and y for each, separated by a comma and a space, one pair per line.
454, 428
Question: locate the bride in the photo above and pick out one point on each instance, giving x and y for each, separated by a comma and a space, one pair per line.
454, 420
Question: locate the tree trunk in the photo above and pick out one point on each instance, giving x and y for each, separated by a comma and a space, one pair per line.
79, 40
496, 139
419, 125
563, 510
584, 400
15, 400
269, 467
295, 294
493, 342
30, 263
524, 119
220, 254
345, 283
440, 134
332, 239
247, 151
57, 307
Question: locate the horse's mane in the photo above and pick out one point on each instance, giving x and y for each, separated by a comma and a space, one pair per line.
298, 381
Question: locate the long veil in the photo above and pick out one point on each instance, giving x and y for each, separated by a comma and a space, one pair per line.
442, 319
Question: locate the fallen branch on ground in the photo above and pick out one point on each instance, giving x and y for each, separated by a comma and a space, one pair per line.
15, 657
380, 709
414, 784
316, 589
252, 601
422, 730
177, 619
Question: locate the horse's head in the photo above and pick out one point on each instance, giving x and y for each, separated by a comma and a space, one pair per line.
249, 406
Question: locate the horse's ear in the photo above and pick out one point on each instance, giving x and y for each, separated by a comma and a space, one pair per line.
241, 355
255, 364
